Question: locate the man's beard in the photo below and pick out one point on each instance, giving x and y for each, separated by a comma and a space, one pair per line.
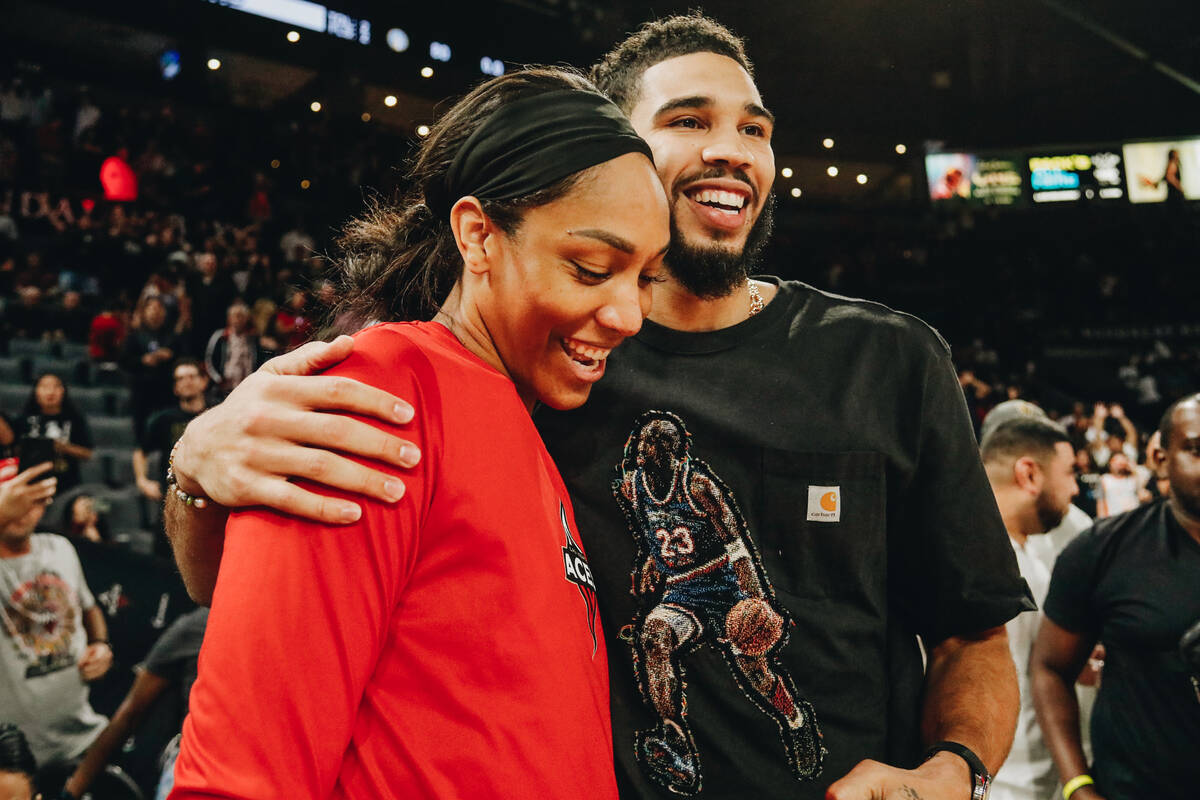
1048, 516
711, 271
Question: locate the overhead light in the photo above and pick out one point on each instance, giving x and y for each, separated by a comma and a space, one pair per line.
390, 100
832, 172
293, 36
422, 130
315, 105
786, 172
214, 64
426, 72
274, 163
366, 116
861, 178
439, 51
828, 143
901, 149
491, 66
304, 184
397, 40
795, 191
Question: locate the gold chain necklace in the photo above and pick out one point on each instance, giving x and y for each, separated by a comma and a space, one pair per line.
756, 301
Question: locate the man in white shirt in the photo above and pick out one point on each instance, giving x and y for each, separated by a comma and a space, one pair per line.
1030, 464
55, 639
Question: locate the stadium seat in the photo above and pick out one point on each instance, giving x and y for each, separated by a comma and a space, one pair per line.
74, 351
119, 399
21, 348
125, 508
14, 370
73, 373
92, 402
13, 397
99, 376
138, 540
95, 469
112, 432
119, 467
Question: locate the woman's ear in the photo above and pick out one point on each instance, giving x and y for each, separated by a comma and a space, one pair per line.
472, 228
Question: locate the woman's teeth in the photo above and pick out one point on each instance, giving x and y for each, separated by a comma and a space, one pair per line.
583, 353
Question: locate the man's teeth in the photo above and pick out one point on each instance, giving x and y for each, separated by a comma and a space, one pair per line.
718, 197
585, 353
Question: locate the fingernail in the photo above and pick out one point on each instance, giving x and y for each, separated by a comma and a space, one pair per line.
351, 513
393, 489
402, 412
409, 455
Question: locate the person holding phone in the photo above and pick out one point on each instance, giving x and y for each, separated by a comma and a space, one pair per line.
52, 429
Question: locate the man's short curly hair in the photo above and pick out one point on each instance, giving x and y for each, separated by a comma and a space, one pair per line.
619, 73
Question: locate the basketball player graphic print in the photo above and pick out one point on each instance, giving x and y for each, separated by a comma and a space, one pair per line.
699, 582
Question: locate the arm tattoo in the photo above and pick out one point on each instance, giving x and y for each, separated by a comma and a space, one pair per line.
910, 793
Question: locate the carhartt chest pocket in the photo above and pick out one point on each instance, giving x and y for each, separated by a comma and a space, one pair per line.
822, 524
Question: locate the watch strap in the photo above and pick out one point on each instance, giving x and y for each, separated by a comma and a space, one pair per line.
981, 779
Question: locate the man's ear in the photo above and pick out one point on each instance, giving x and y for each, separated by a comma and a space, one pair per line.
1026, 474
1158, 462
472, 228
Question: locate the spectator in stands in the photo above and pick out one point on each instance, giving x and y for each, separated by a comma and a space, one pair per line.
1077, 423
293, 325
1111, 432
146, 355
70, 321
1087, 477
170, 666
296, 244
50, 414
57, 640
165, 426
1121, 489
233, 352
81, 520
31, 486
27, 318
211, 291
17, 765
1030, 465
105, 335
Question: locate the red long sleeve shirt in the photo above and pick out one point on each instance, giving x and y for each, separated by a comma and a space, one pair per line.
444, 646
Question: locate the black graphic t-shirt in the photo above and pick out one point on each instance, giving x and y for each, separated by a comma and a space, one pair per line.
1133, 582
163, 429
70, 428
830, 453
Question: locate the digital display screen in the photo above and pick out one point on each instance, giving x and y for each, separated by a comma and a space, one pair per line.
1160, 171
1091, 174
307, 15
978, 178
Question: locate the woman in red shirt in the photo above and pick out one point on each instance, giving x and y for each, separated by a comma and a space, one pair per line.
448, 646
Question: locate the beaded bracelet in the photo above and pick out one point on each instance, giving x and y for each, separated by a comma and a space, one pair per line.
194, 500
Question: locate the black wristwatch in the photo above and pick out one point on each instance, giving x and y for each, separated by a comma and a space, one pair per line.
981, 779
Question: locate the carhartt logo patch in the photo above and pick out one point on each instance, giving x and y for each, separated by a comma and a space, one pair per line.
824, 503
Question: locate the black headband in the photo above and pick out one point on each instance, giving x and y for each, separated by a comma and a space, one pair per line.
533, 143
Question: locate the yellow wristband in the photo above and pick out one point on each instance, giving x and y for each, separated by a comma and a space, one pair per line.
1075, 784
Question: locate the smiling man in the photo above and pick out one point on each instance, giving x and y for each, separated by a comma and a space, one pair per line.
824, 511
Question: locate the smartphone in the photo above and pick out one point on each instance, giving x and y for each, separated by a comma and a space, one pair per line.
34, 451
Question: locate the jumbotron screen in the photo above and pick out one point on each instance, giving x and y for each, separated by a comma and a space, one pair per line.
1161, 171
975, 178
1070, 175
